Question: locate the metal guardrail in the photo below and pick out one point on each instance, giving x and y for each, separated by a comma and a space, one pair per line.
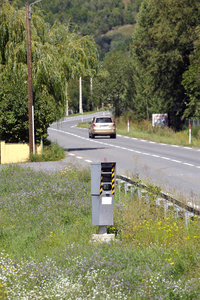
161, 195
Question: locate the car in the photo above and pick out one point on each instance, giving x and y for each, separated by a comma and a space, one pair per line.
102, 126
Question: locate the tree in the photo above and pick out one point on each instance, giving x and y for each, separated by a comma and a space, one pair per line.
57, 56
162, 41
191, 81
46, 78
114, 86
84, 16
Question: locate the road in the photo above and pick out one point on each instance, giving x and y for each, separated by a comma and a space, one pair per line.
175, 169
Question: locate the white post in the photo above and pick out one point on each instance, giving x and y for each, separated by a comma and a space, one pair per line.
80, 96
189, 134
41, 144
66, 97
91, 85
33, 129
67, 108
128, 125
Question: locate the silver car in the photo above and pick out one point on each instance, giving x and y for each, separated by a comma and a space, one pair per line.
102, 126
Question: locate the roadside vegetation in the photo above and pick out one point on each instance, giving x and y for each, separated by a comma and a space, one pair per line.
46, 250
159, 134
50, 152
131, 55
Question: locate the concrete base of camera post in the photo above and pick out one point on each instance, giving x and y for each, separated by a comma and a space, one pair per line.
102, 236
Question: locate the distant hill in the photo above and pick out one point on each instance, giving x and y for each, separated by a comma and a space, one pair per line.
109, 21
88, 16
118, 38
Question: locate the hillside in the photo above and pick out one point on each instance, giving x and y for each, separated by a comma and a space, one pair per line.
125, 29
88, 17
109, 21
118, 38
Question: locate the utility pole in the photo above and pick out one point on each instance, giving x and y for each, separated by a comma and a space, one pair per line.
30, 88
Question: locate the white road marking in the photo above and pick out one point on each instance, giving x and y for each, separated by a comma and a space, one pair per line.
167, 158
187, 164
89, 161
177, 161
128, 149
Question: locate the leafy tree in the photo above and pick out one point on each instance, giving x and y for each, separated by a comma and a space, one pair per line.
114, 86
57, 56
191, 81
162, 42
89, 16
137, 4
46, 78
129, 14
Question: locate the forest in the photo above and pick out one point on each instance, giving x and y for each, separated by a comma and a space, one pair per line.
154, 70
90, 16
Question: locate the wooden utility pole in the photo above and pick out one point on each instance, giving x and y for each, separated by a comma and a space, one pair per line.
30, 89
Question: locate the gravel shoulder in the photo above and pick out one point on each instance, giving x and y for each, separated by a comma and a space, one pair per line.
47, 166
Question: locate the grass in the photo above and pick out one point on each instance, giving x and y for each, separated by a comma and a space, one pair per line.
144, 130
125, 30
51, 152
46, 253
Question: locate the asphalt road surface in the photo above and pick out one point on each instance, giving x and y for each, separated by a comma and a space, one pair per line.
175, 169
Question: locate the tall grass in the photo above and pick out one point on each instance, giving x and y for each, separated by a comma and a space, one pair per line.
50, 152
159, 134
46, 250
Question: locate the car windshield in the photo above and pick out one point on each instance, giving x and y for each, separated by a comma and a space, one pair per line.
103, 120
